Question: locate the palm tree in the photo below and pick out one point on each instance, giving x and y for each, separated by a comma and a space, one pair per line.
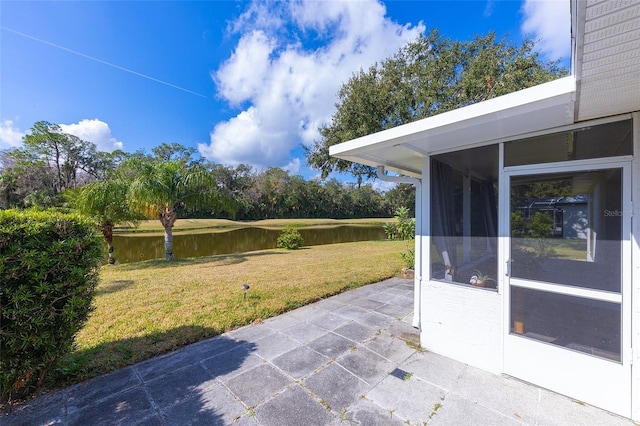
107, 202
160, 188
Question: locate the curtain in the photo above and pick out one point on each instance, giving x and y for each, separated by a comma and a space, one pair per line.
443, 217
490, 210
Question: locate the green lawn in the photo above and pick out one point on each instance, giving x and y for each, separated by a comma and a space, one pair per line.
561, 248
147, 308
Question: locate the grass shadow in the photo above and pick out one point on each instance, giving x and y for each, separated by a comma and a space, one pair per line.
83, 364
179, 398
113, 286
228, 259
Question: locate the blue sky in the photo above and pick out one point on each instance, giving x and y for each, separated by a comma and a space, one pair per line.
241, 81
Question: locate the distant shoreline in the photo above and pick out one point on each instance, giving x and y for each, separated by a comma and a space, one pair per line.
198, 225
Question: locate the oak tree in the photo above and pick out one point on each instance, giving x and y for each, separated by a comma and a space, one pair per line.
428, 76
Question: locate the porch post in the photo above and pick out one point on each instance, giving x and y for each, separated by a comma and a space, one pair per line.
417, 263
466, 217
417, 275
635, 269
423, 237
503, 251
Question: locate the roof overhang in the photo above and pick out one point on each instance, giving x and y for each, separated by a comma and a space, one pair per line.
604, 82
511, 116
606, 57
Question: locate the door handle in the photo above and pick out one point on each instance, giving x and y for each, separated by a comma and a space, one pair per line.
509, 268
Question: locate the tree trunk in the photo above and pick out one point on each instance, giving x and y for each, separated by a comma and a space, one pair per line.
107, 233
168, 219
168, 243
59, 169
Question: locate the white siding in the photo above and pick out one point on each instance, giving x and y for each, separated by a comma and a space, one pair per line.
462, 323
608, 68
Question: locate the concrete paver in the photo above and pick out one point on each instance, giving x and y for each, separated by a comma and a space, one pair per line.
215, 405
351, 359
233, 362
355, 332
257, 385
366, 412
304, 332
366, 365
407, 397
435, 369
336, 387
456, 408
331, 345
293, 407
300, 362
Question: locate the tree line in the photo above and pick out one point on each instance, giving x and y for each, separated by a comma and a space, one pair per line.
57, 170
51, 164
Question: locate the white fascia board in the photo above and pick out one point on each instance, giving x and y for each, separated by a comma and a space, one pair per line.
523, 104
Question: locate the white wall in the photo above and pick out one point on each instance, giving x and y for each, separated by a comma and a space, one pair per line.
457, 321
463, 323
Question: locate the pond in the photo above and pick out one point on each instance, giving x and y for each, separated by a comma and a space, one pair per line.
136, 247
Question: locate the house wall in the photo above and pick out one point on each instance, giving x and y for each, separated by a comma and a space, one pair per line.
460, 322
463, 323
468, 324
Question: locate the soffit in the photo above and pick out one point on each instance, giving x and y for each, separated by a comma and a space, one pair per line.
402, 148
607, 58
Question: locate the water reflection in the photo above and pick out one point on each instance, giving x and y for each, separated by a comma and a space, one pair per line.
133, 248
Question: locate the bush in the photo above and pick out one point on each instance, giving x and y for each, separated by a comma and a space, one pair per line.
48, 274
290, 239
403, 229
408, 257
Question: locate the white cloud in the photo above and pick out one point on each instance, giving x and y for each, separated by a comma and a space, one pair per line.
285, 72
95, 131
241, 77
10, 136
380, 185
293, 167
550, 22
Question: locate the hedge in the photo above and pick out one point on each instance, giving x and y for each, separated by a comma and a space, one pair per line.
49, 264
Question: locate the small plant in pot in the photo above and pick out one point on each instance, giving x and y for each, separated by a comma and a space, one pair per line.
480, 279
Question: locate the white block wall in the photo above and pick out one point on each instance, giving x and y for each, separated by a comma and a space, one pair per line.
463, 323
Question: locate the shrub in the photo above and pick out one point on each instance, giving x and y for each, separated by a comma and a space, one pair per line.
290, 239
408, 257
48, 273
403, 229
